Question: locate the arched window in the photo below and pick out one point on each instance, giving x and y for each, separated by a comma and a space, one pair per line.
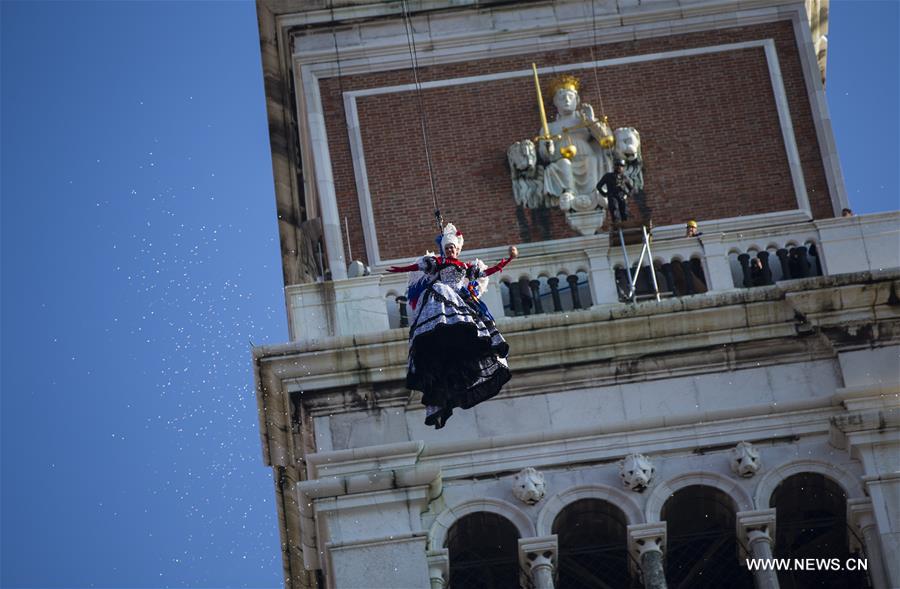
701, 547
811, 522
484, 552
592, 546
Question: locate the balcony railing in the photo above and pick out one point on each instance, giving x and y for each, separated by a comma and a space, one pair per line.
582, 273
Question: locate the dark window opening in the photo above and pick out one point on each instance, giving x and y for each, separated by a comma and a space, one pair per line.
484, 552
702, 547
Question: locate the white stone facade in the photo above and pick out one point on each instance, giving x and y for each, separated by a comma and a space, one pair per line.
803, 373
682, 383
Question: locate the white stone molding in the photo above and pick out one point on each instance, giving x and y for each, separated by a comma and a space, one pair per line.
787, 128
537, 556
662, 491
528, 486
320, 143
318, 139
820, 114
438, 567
462, 35
614, 495
745, 460
437, 535
770, 481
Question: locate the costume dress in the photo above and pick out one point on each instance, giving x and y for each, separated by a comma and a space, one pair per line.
457, 358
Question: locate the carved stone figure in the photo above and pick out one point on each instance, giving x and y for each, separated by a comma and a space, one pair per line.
636, 471
528, 176
573, 179
745, 461
528, 486
310, 249
628, 148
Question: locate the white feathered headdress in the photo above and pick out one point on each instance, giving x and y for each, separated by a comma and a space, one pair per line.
452, 235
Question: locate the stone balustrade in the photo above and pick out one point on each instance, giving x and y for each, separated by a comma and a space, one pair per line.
580, 273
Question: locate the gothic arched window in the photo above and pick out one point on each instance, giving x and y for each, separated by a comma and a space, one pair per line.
592, 546
702, 545
484, 552
811, 522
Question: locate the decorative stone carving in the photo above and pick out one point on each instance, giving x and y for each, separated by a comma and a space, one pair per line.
565, 167
636, 471
745, 461
647, 544
537, 557
588, 222
756, 535
528, 486
528, 176
628, 148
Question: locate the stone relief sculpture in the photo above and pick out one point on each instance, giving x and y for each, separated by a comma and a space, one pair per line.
309, 249
576, 161
563, 164
636, 471
745, 461
628, 148
528, 486
528, 177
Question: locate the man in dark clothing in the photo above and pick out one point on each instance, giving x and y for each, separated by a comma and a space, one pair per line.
617, 187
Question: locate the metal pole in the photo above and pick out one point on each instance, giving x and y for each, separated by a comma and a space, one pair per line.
650, 255
630, 295
347, 232
637, 271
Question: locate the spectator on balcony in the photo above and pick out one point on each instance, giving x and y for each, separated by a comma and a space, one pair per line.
757, 273
691, 229
846, 212
617, 187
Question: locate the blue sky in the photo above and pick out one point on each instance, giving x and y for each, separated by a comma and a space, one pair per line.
140, 258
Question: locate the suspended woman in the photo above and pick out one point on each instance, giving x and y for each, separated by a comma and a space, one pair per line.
457, 358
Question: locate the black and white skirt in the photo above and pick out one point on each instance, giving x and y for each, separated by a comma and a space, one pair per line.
457, 358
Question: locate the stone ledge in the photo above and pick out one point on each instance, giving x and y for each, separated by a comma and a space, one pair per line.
576, 337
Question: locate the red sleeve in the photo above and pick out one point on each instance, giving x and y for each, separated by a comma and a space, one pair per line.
410, 268
498, 268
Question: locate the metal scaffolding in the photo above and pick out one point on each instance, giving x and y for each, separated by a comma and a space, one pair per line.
630, 295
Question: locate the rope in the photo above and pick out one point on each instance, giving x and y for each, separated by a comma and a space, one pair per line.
337, 58
413, 57
593, 60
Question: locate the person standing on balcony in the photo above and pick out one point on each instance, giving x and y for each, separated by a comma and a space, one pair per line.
457, 358
692, 229
617, 187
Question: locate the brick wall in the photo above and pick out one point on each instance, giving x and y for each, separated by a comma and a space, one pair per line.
711, 139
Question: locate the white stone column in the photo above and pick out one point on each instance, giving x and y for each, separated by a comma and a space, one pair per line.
602, 275
537, 556
756, 533
884, 491
861, 518
718, 268
870, 430
438, 568
318, 138
647, 543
